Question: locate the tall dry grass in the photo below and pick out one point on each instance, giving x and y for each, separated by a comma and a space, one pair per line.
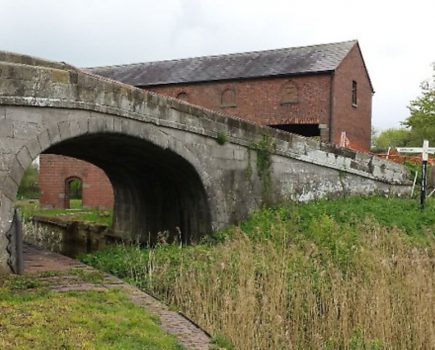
264, 296
335, 286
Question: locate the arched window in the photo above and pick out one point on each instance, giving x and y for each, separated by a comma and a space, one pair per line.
228, 98
183, 96
289, 93
73, 192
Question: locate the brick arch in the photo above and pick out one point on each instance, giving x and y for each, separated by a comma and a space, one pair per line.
289, 92
67, 183
228, 97
107, 127
183, 95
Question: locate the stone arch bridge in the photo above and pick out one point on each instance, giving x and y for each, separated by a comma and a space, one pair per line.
173, 166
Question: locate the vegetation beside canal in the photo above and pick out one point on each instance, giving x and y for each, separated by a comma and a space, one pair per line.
355, 273
30, 208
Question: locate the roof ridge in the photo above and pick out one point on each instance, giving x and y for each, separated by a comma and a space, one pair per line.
220, 55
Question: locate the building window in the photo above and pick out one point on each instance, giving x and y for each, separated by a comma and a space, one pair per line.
228, 98
354, 93
183, 96
289, 93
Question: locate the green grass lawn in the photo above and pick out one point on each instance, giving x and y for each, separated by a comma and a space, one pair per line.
30, 208
31, 317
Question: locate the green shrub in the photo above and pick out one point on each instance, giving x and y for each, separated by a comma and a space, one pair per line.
29, 186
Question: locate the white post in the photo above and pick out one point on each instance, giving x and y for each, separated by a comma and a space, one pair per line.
425, 151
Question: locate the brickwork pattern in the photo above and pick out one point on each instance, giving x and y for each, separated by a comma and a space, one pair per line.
54, 172
260, 100
354, 120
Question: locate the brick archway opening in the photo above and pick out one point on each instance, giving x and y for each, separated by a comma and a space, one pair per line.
157, 192
73, 191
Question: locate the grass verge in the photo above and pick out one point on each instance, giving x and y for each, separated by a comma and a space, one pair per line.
30, 208
31, 317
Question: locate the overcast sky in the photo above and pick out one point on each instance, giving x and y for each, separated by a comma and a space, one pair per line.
397, 38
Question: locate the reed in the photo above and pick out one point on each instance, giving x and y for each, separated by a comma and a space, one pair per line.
292, 284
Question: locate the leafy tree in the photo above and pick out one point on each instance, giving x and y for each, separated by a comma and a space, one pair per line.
422, 117
75, 189
29, 187
392, 138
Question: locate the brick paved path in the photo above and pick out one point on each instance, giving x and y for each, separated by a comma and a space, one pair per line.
38, 261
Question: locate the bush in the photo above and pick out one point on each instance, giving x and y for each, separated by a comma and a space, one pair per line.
29, 186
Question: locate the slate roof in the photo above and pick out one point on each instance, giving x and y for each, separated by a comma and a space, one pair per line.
288, 61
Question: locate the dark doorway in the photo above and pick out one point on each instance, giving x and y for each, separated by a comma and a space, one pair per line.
307, 130
73, 193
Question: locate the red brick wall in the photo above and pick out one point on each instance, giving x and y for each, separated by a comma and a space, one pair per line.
260, 100
355, 120
55, 170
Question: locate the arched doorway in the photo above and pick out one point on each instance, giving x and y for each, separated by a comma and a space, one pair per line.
73, 193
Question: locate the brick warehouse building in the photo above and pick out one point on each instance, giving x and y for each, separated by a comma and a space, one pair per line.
319, 91
56, 174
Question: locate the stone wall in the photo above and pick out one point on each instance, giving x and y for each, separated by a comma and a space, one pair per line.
67, 238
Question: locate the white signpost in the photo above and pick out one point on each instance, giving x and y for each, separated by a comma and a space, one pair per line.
425, 151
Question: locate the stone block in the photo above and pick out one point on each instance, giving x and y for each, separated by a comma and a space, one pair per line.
60, 76
65, 130
134, 128
26, 130
117, 125
11, 145
3, 174
10, 188
240, 153
16, 171
5, 159
54, 115
34, 148
54, 134
6, 206
24, 157
223, 152
100, 124
44, 140
6, 128
24, 114
75, 129
84, 125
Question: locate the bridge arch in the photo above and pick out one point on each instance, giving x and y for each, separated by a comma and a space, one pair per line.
159, 185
